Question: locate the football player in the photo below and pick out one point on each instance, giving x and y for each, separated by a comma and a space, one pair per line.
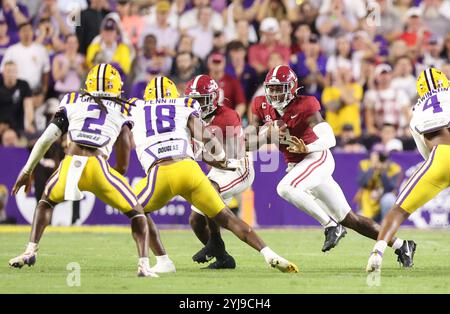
95, 121
225, 124
164, 127
430, 128
305, 140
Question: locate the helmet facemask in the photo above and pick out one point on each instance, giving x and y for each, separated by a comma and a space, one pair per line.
207, 103
279, 94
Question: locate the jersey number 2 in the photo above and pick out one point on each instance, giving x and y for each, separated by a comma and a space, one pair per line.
88, 122
164, 113
433, 102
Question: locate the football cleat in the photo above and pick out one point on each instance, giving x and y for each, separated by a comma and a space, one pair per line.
203, 256
226, 262
374, 262
145, 271
23, 259
332, 237
405, 254
283, 265
167, 267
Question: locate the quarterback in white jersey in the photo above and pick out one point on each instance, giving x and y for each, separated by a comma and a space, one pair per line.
95, 121
164, 128
430, 127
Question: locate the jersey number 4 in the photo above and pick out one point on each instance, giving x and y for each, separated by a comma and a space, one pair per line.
434, 103
165, 119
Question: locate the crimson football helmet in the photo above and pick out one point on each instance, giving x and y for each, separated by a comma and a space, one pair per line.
280, 86
206, 91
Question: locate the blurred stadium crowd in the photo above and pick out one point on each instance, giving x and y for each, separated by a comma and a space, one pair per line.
358, 57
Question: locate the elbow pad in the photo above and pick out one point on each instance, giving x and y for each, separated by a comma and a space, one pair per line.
325, 140
50, 135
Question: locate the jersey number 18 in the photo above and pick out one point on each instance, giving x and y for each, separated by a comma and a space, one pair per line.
165, 119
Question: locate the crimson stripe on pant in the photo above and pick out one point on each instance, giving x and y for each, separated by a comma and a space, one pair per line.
293, 183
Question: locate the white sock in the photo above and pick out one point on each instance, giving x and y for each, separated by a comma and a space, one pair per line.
380, 246
305, 202
397, 244
268, 253
144, 261
331, 223
162, 259
31, 247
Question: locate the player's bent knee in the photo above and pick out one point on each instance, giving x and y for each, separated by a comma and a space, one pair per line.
223, 217
196, 219
397, 209
284, 190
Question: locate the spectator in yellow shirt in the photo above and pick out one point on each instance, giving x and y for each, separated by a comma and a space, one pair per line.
342, 100
378, 179
109, 49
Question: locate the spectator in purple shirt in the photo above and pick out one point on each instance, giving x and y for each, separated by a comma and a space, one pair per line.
5, 39
310, 67
239, 68
15, 14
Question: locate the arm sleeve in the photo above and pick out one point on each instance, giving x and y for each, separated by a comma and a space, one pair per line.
60, 120
326, 138
420, 142
50, 135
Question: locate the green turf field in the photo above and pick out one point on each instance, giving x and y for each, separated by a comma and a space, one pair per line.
108, 265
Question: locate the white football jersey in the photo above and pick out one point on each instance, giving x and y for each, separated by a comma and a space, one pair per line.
160, 129
432, 112
89, 125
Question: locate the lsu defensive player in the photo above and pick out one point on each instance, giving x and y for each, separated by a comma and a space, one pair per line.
95, 121
164, 128
430, 128
226, 126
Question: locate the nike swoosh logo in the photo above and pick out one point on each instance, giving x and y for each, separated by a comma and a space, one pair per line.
408, 251
338, 234
293, 117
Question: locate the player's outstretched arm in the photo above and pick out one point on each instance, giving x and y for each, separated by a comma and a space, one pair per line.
123, 149
54, 130
200, 133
